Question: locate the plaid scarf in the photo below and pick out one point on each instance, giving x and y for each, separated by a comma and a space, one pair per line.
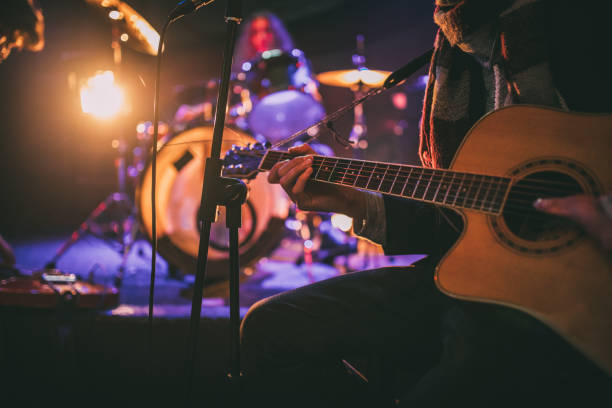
506, 36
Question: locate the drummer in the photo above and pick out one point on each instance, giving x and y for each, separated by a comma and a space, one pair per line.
262, 32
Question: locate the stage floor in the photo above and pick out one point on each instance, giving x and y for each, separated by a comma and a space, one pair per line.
104, 352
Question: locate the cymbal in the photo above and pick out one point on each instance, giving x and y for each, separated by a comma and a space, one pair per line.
137, 33
351, 77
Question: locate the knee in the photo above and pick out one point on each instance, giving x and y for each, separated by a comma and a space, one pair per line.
254, 327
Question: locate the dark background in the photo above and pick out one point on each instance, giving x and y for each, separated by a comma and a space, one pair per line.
56, 163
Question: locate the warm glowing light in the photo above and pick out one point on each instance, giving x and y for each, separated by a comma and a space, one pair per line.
342, 222
365, 76
149, 33
101, 97
124, 37
115, 15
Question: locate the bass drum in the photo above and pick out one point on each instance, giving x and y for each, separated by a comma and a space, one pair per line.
180, 170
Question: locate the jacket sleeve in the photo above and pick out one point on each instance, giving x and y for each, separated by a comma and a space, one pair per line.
419, 228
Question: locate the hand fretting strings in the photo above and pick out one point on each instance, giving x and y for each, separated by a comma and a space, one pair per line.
478, 192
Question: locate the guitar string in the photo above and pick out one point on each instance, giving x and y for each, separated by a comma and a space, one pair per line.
477, 201
400, 166
382, 171
402, 169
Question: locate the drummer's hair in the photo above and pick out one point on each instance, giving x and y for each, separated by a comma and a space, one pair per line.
244, 50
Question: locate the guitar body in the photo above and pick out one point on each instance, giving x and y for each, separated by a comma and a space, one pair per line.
509, 253
561, 278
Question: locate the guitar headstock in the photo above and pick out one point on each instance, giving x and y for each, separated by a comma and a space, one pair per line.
243, 161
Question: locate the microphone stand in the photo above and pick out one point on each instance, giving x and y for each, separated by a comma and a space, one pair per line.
228, 192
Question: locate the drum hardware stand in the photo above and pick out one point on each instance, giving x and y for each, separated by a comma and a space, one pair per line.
359, 130
231, 193
124, 224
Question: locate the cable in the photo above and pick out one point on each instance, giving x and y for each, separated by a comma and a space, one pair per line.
183, 8
160, 48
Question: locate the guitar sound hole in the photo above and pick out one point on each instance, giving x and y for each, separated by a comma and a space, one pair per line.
529, 224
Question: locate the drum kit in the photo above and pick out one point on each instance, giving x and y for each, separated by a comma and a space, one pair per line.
271, 97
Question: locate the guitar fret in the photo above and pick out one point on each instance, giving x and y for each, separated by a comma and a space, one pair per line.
486, 191
442, 186
362, 180
450, 187
459, 188
495, 192
373, 181
388, 179
466, 190
432, 186
415, 186
421, 187
474, 196
332, 171
406, 182
323, 168
339, 171
397, 172
349, 175
501, 192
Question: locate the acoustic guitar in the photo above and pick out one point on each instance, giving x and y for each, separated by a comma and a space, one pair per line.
508, 253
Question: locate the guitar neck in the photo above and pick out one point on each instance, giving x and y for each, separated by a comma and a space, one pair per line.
448, 188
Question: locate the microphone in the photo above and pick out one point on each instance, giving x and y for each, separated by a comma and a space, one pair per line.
185, 7
408, 69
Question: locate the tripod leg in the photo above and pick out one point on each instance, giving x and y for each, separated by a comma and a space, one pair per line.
76, 235
128, 242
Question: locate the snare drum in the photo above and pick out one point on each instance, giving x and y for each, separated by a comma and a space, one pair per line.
284, 94
180, 170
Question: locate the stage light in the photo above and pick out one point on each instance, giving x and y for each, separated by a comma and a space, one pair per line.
342, 222
101, 97
115, 15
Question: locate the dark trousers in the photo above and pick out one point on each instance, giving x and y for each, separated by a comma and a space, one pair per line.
443, 352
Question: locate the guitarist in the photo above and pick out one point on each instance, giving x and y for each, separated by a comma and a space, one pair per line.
488, 54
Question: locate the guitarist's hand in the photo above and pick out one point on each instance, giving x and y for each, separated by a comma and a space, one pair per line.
586, 211
293, 175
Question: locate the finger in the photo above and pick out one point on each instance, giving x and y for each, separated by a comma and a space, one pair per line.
302, 149
557, 206
289, 178
292, 164
300, 183
273, 176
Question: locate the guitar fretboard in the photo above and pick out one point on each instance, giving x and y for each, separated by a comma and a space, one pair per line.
445, 187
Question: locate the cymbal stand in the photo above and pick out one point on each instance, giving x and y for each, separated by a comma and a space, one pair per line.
123, 220
359, 130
